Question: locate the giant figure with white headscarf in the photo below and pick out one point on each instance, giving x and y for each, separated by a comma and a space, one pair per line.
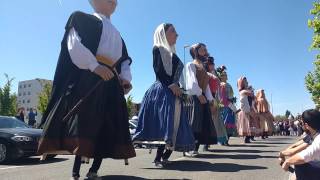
92, 74
161, 119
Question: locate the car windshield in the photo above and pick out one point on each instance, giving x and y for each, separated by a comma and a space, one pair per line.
10, 122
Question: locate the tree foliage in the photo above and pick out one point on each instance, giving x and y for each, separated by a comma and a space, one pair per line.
130, 106
280, 118
8, 100
44, 97
287, 114
312, 79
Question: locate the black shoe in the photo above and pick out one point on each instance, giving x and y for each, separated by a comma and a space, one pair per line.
205, 148
158, 164
166, 162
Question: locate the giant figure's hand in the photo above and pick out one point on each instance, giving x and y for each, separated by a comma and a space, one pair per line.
202, 99
126, 86
175, 89
104, 72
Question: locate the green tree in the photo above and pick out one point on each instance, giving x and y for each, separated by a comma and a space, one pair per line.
8, 101
287, 114
312, 79
44, 97
130, 105
279, 118
14, 105
0, 99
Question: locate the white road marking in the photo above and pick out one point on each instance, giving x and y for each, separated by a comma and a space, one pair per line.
13, 167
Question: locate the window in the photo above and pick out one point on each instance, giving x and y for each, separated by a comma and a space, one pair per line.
29, 85
23, 101
28, 101
19, 94
24, 86
29, 93
20, 86
24, 93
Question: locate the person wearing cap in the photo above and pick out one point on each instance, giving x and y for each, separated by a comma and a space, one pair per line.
93, 70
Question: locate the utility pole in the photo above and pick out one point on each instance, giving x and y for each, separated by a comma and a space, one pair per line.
271, 104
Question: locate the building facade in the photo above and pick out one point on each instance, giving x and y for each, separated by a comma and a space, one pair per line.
28, 95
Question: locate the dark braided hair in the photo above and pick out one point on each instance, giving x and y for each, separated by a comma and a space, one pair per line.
194, 50
166, 26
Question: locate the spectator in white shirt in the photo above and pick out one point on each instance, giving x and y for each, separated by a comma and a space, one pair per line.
307, 162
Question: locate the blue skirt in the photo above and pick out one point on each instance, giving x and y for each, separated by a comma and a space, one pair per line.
157, 121
229, 119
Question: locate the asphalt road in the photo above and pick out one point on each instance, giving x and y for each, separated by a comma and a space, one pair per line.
255, 161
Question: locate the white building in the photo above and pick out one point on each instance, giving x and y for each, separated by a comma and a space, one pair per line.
28, 95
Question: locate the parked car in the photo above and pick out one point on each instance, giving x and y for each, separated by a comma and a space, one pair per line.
134, 121
17, 139
132, 127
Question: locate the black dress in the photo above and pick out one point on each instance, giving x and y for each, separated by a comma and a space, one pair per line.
100, 126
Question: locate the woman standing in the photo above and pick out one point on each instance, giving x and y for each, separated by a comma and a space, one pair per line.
161, 119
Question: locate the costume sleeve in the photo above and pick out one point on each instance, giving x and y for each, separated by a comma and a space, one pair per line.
80, 55
178, 72
212, 84
229, 91
125, 65
192, 85
312, 152
208, 94
126, 71
158, 67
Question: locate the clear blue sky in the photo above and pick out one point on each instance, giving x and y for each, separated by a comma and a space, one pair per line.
266, 40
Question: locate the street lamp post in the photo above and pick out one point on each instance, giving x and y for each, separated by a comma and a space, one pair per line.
184, 53
184, 63
271, 104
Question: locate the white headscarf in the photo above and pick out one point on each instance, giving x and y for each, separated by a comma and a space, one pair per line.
166, 51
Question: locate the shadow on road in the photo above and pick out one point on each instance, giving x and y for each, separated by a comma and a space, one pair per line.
250, 145
271, 142
233, 156
238, 151
207, 166
119, 177
33, 161
283, 138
